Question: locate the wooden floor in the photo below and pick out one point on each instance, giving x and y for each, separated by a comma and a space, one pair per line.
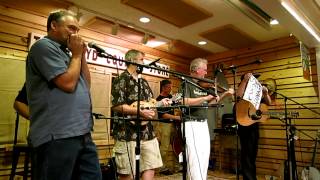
212, 175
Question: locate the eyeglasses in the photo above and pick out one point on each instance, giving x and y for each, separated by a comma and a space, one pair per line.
203, 69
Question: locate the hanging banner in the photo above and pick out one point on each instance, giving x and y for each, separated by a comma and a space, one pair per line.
305, 60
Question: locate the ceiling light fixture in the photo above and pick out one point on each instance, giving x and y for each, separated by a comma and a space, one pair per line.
154, 43
201, 43
295, 13
126, 23
274, 22
144, 19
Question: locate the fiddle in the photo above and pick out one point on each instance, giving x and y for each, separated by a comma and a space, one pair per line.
212, 86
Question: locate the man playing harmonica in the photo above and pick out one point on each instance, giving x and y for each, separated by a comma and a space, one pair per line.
58, 84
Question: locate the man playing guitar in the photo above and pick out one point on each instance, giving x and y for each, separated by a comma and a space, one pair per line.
249, 135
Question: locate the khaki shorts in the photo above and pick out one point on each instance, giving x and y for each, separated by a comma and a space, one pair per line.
150, 157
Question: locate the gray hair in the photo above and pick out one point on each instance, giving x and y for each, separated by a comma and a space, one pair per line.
132, 54
57, 16
196, 63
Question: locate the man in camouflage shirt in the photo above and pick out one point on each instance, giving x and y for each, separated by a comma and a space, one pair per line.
124, 92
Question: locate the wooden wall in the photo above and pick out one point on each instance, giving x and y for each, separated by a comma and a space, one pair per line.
15, 26
281, 62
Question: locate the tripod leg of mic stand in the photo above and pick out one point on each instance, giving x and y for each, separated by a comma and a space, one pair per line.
184, 161
292, 160
237, 153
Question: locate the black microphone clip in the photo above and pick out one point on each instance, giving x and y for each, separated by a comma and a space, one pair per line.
258, 61
216, 71
153, 63
98, 116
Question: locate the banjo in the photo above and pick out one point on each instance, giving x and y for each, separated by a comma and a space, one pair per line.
312, 173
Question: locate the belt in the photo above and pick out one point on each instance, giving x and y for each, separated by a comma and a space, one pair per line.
194, 120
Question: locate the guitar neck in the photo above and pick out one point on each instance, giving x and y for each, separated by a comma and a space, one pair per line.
291, 114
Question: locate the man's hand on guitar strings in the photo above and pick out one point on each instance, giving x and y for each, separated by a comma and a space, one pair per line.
166, 102
147, 113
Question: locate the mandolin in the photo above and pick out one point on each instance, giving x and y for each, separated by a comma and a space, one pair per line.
153, 104
247, 115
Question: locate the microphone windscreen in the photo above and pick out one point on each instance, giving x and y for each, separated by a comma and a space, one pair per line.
91, 44
258, 61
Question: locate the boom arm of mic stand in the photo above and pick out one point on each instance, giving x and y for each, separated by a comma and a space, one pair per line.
233, 67
105, 55
108, 56
296, 102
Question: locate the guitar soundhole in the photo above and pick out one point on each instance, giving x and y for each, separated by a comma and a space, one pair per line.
258, 112
256, 116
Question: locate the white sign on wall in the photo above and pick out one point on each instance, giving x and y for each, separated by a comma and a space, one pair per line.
92, 57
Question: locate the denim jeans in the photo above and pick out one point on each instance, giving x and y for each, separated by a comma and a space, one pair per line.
72, 158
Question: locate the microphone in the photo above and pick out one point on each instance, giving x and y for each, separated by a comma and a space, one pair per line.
96, 47
258, 61
216, 71
153, 63
100, 50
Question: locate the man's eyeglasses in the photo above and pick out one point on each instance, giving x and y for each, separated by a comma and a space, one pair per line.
203, 69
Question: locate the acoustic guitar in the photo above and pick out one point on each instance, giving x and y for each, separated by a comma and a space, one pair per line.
247, 115
153, 104
312, 173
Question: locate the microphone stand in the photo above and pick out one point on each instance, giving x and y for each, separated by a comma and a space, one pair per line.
138, 122
290, 137
184, 111
233, 69
138, 126
184, 161
138, 119
108, 56
234, 73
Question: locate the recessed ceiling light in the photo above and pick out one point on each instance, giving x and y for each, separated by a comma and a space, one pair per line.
202, 43
274, 22
155, 43
144, 19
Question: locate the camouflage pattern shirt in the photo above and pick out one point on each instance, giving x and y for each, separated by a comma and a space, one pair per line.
125, 91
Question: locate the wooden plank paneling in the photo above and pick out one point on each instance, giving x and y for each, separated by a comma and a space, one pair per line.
281, 62
15, 26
